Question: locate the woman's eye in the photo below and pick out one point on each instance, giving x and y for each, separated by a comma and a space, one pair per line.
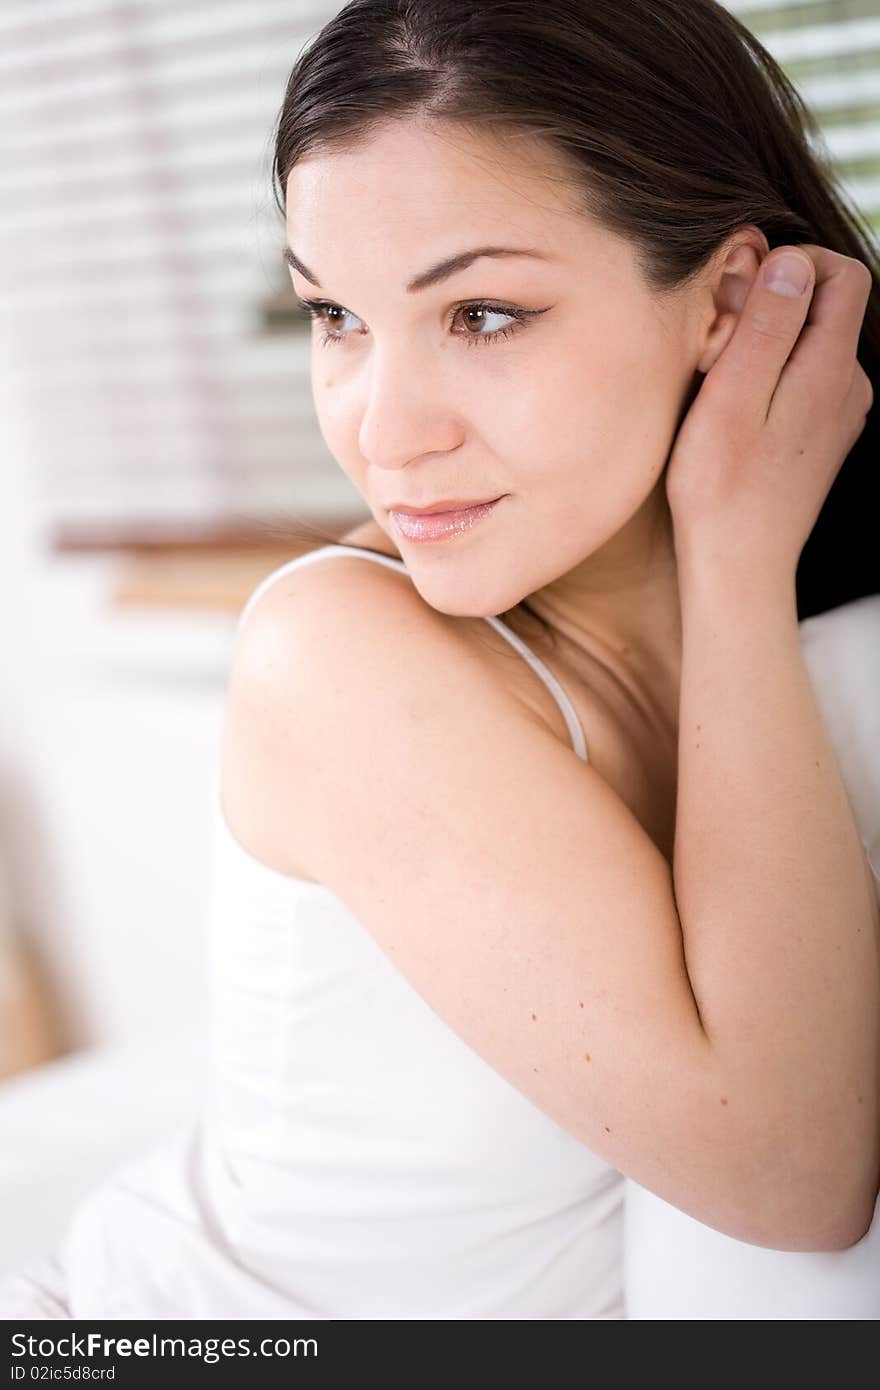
320, 312
475, 318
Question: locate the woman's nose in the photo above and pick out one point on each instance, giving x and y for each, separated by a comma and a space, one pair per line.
408, 411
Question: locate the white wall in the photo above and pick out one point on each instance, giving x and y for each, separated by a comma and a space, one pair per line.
109, 736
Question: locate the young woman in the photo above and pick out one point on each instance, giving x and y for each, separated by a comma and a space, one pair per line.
509, 908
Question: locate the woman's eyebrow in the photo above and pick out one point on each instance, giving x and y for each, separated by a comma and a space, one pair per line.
435, 273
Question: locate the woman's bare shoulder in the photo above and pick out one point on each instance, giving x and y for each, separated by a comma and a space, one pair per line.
389, 600
299, 629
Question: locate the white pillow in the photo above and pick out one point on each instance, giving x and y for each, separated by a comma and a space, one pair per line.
674, 1266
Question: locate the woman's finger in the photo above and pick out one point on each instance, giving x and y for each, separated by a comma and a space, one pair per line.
748, 371
828, 344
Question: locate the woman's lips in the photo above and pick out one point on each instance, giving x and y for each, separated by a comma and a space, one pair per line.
440, 526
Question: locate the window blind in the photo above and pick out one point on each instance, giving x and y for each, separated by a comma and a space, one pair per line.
831, 51
141, 247
140, 244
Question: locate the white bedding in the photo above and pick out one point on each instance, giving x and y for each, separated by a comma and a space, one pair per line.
67, 1124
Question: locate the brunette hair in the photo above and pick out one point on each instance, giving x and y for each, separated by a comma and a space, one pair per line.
678, 126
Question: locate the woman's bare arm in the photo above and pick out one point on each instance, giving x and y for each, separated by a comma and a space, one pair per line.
525, 903
778, 910
778, 907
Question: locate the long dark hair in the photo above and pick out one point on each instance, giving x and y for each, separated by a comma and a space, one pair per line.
679, 127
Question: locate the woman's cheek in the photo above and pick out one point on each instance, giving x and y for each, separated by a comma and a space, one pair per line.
338, 431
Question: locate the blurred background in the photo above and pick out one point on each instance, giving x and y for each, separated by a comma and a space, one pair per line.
156, 404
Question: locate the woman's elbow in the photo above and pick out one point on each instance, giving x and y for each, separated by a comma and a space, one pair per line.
854, 1225
790, 1202
830, 1224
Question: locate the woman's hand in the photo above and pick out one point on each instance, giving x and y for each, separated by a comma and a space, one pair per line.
775, 417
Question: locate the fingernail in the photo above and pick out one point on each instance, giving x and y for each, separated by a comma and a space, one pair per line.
788, 274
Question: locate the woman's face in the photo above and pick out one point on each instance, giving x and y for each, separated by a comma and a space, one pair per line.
569, 416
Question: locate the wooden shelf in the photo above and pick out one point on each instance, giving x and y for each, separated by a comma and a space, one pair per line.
214, 568
219, 580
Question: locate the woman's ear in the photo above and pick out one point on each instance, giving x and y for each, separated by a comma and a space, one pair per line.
724, 291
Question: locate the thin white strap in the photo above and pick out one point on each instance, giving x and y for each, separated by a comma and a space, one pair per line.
307, 559
568, 711
573, 724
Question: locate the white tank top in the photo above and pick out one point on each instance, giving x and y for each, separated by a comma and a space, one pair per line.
355, 1158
